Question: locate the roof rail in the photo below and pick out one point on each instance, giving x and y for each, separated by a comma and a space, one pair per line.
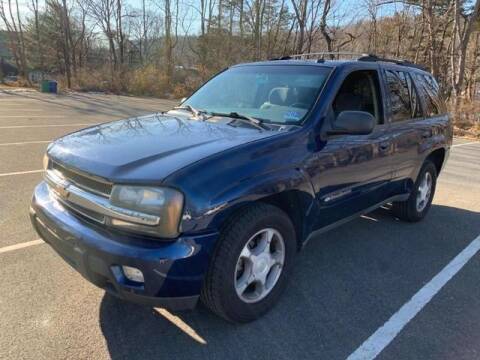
331, 55
395, 61
344, 55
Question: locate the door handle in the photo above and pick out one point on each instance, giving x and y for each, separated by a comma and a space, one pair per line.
427, 134
384, 145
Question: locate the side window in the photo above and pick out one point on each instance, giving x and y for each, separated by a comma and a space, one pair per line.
400, 95
415, 100
430, 92
360, 91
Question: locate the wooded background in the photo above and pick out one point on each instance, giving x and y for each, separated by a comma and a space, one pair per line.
166, 48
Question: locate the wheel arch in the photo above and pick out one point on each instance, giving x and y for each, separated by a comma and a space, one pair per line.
291, 191
438, 158
294, 204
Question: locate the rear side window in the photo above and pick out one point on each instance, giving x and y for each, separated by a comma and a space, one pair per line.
429, 90
415, 101
403, 96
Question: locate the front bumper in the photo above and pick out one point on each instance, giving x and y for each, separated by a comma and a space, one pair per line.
173, 270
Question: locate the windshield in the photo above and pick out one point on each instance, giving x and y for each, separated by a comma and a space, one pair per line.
272, 93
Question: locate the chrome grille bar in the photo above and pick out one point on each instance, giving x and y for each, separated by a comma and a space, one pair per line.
89, 183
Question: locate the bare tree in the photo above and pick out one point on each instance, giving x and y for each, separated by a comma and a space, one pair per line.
39, 55
459, 76
300, 8
327, 6
68, 50
103, 12
119, 32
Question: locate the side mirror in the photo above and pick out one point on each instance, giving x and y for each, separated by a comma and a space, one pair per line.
353, 123
183, 100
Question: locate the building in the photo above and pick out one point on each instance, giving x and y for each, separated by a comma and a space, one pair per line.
7, 69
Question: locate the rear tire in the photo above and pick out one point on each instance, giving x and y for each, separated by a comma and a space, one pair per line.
416, 207
245, 237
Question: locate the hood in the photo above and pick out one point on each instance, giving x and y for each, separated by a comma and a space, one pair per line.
148, 148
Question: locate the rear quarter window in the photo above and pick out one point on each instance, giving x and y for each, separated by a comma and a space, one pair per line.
403, 96
430, 92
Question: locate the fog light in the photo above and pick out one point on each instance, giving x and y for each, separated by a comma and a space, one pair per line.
133, 274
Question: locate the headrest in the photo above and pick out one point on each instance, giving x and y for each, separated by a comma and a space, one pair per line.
279, 95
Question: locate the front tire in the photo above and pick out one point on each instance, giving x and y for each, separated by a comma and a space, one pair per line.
251, 264
416, 207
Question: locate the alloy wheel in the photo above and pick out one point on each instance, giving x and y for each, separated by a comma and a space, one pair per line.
259, 265
424, 191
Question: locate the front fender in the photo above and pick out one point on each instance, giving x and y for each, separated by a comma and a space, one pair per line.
212, 214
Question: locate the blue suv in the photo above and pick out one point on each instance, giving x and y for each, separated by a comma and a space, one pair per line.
213, 199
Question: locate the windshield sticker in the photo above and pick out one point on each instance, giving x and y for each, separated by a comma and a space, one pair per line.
292, 116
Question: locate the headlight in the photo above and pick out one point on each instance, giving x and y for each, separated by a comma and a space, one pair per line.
165, 203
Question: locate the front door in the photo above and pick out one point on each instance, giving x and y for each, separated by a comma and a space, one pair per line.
351, 173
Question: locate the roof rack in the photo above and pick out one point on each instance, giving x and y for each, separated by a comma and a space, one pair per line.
395, 61
331, 55
339, 55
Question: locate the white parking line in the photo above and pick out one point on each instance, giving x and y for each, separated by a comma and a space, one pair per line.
31, 116
22, 110
20, 246
5, 102
21, 173
375, 344
27, 143
182, 325
468, 143
42, 126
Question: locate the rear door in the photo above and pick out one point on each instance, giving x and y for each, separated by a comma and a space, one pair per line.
436, 128
407, 129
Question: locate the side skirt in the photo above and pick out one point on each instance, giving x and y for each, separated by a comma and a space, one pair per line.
401, 197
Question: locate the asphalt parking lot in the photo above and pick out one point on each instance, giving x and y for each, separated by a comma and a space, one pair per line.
347, 287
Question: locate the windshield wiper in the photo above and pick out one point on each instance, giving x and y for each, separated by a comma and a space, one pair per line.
191, 109
234, 115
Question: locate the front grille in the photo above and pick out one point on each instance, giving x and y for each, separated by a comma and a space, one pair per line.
86, 182
58, 176
83, 212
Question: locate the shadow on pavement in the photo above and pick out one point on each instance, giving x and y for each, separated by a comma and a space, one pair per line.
346, 284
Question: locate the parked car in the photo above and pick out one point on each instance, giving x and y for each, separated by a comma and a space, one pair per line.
213, 199
10, 79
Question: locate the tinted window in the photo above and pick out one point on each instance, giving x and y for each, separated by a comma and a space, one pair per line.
428, 87
400, 93
414, 99
273, 93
